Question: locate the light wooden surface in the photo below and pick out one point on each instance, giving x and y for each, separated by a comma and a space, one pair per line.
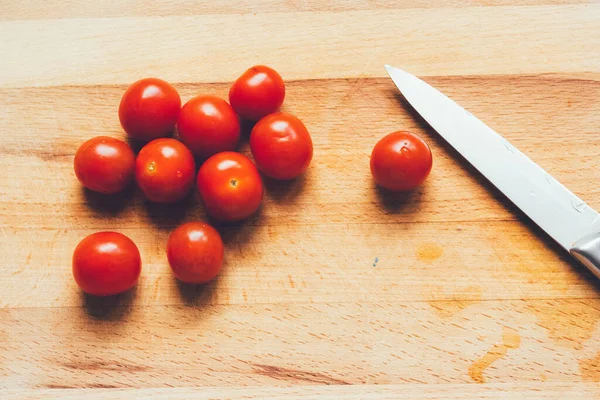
334, 290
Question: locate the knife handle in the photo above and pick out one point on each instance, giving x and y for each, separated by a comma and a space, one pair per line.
587, 252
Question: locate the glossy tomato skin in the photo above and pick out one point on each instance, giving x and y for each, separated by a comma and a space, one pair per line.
149, 109
401, 161
230, 186
257, 92
164, 170
281, 146
106, 263
104, 164
195, 252
208, 125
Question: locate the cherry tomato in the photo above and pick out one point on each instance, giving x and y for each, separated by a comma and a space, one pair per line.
281, 146
208, 125
149, 109
230, 186
104, 164
257, 92
164, 170
401, 161
106, 263
195, 252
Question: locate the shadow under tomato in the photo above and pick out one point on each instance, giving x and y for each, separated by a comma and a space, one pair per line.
238, 234
169, 216
197, 295
399, 202
285, 191
137, 144
246, 127
109, 204
109, 308
244, 143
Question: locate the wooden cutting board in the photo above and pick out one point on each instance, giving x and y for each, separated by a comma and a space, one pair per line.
448, 292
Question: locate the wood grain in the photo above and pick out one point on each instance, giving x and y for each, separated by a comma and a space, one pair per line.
33, 9
335, 289
366, 342
542, 391
209, 48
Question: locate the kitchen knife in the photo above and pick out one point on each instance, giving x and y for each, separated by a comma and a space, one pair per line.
555, 209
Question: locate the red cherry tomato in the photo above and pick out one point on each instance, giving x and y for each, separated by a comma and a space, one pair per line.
230, 186
208, 125
164, 170
106, 263
195, 252
149, 109
257, 92
281, 146
104, 164
401, 161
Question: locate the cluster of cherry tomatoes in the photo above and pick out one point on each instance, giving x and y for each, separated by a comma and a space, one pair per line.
228, 182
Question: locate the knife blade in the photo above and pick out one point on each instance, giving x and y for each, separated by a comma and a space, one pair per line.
561, 214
